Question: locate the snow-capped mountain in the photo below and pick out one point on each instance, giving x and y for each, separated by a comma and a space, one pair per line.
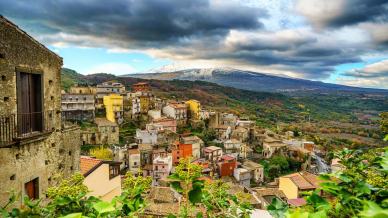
249, 80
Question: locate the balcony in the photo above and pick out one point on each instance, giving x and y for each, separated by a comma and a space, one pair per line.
17, 127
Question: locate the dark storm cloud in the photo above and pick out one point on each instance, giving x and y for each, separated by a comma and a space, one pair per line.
137, 21
195, 30
338, 13
358, 11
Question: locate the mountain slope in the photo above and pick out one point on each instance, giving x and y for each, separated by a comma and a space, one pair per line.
256, 81
265, 107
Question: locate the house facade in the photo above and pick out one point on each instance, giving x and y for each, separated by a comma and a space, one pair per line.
212, 153
177, 111
197, 145
226, 165
162, 165
167, 123
114, 108
181, 151
34, 145
242, 176
79, 107
134, 161
101, 177
194, 108
106, 89
88, 90
294, 184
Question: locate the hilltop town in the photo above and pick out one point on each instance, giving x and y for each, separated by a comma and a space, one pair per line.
109, 131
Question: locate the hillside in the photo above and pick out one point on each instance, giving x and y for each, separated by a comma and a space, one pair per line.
269, 108
255, 81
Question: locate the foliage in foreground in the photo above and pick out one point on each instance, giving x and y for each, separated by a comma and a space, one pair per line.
200, 196
69, 199
359, 190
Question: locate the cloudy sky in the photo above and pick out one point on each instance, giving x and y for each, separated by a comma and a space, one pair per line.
337, 41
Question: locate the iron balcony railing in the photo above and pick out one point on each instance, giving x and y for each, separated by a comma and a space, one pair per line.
14, 127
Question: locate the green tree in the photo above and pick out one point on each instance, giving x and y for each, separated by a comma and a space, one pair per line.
213, 196
72, 187
102, 153
384, 124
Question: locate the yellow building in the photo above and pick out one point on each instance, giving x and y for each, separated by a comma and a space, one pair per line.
292, 185
194, 107
113, 104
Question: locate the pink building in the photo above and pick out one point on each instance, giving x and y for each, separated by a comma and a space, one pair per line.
162, 166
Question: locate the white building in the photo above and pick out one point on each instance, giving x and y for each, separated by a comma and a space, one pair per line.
212, 153
146, 136
176, 111
245, 123
232, 146
155, 114
243, 176
256, 170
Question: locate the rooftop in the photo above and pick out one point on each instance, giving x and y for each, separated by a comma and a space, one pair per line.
211, 148
144, 147
304, 180
251, 165
227, 157
297, 202
104, 122
5, 20
89, 164
191, 138
178, 106
133, 151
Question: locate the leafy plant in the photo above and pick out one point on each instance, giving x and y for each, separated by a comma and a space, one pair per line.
102, 153
360, 190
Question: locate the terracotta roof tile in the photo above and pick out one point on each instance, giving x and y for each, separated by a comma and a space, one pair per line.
88, 163
304, 180
297, 202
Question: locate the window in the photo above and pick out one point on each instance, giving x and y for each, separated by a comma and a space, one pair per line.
29, 102
114, 171
32, 188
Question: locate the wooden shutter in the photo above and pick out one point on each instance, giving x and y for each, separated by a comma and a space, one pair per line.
29, 102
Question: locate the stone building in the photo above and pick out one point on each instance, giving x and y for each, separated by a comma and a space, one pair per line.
34, 145
78, 107
83, 90
105, 132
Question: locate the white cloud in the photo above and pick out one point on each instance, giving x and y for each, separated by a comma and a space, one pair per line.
373, 75
320, 12
112, 68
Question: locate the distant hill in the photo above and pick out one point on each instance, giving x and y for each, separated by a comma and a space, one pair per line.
256, 81
70, 78
268, 108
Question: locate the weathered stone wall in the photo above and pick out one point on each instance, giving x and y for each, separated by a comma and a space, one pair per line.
102, 136
39, 157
